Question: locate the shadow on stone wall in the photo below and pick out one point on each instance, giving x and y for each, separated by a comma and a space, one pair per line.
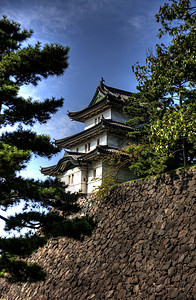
142, 248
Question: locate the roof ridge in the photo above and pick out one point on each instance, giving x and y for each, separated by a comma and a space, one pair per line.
116, 89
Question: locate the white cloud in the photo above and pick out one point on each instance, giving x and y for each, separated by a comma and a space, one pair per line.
59, 126
137, 22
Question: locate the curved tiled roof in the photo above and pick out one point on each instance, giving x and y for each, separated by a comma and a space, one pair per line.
106, 90
69, 158
104, 97
76, 159
103, 125
100, 149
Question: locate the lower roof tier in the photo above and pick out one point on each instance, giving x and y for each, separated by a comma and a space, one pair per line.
72, 159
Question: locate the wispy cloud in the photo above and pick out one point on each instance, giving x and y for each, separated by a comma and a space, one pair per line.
53, 17
59, 126
137, 22
62, 17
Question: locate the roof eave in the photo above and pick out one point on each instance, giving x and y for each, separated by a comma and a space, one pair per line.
60, 167
65, 162
84, 135
81, 137
95, 109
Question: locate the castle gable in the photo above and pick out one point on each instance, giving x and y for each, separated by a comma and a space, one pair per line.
105, 97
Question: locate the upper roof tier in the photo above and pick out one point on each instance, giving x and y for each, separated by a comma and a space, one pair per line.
104, 98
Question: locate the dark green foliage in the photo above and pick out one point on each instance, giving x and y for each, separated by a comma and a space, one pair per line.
20, 271
166, 98
55, 225
28, 244
19, 66
11, 36
50, 225
29, 140
28, 112
49, 193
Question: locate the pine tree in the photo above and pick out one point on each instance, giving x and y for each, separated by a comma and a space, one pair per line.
20, 65
163, 109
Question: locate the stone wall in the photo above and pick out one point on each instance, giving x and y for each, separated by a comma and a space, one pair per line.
143, 247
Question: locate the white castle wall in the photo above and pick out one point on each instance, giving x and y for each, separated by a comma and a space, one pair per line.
94, 182
72, 178
93, 143
91, 122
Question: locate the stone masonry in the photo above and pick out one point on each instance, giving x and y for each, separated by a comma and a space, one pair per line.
143, 247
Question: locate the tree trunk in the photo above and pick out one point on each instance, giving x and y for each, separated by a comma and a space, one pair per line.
183, 139
184, 152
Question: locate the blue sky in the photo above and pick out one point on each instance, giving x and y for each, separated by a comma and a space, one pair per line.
105, 37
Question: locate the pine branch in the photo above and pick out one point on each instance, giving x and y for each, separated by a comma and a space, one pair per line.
3, 218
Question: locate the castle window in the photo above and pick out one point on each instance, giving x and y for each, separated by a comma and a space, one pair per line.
72, 178
98, 119
95, 121
85, 148
77, 149
89, 146
69, 179
98, 141
94, 173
